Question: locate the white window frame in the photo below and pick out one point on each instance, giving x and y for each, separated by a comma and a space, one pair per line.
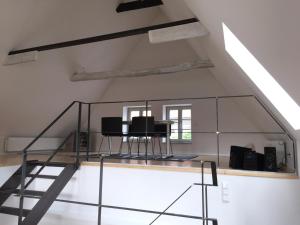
126, 115
166, 110
141, 109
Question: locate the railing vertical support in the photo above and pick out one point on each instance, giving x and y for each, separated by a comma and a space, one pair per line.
88, 147
218, 132
203, 193
206, 205
100, 191
23, 177
146, 146
78, 134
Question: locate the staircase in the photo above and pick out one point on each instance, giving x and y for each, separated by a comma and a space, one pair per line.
33, 216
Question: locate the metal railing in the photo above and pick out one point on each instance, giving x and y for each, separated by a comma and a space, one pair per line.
89, 106
204, 193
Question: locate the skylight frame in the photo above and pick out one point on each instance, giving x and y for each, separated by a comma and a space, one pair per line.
264, 81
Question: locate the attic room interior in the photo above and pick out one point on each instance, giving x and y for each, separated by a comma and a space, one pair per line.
149, 112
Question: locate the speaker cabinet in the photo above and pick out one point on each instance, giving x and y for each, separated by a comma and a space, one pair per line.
250, 161
237, 157
260, 162
270, 159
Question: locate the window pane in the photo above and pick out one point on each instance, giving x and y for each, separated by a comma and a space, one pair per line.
186, 124
186, 113
187, 135
173, 114
134, 114
174, 126
174, 135
149, 113
174, 131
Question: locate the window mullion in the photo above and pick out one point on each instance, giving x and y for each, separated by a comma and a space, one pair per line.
180, 124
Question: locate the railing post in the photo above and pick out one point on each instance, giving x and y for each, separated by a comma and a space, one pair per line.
23, 176
78, 134
88, 147
146, 146
100, 191
218, 132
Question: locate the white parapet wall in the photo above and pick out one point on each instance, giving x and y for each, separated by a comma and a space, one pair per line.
250, 200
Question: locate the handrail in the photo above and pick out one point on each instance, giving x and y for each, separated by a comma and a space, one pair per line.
24, 160
48, 160
49, 126
170, 99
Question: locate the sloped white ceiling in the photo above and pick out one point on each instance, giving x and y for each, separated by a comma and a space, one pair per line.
39, 91
33, 94
267, 28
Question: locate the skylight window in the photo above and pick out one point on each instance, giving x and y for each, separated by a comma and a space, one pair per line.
283, 102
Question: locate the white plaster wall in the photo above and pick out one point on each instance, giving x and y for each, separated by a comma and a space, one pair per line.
259, 201
2, 143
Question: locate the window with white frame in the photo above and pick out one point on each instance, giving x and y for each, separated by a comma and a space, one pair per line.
135, 111
182, 126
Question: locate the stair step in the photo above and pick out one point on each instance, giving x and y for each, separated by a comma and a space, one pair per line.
42, 206
54, 164
13, 211
30, 192
43, 176
13, 182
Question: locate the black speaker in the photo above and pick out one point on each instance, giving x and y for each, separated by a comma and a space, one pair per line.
270, 159
250, 160
237, 156
260, 162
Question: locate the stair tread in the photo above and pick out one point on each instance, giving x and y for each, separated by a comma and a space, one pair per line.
30, 192
43, 176
54, 164
13, 211
12, 183
42, 206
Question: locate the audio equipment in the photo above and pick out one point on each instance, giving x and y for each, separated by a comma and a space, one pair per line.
270, 159
237, 156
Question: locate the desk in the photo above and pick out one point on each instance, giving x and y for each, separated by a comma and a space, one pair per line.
167, 122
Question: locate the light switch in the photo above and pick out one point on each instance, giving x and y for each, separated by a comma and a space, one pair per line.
225, 192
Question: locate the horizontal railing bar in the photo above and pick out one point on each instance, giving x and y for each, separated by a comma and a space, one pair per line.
250, 132
123, 208
202, 132
171, 99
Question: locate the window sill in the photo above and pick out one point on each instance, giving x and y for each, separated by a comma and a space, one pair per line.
180, 142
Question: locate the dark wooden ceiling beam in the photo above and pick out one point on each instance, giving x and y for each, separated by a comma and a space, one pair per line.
104, 37
138, 4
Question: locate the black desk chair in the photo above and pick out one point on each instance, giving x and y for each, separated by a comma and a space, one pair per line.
142, 127
111, 127
161, 131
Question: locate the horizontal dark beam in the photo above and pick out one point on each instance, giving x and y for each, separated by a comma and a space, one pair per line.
134, 5
104, 37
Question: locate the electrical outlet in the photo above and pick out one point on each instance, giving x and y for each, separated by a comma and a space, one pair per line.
225, 192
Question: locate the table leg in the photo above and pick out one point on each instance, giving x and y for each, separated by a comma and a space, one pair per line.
168, 140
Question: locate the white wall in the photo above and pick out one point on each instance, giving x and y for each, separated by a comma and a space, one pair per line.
2, 143
258, 201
